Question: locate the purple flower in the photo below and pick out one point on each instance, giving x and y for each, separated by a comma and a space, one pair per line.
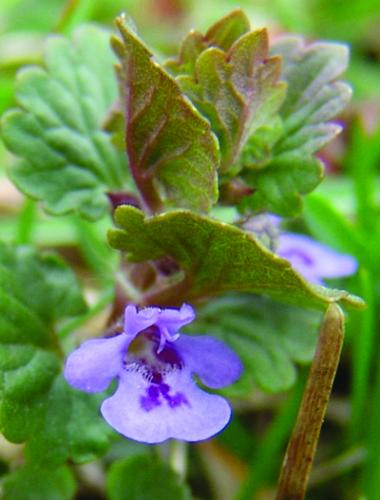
314, 260
157, 398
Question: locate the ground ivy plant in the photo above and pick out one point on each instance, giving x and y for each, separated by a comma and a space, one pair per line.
195, 164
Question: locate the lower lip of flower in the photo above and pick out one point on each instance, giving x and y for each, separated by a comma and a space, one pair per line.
143, 357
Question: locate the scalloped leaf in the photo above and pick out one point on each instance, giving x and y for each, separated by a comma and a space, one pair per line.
173, 154
69, 427
36, 404
232, 80
237, 91
49, 287
222, 35
68, 161
279, 162
214, 257
269, 338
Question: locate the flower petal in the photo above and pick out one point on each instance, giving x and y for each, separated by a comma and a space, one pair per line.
95, 363
136, 321
314, 260
153, 413
213, 361
174, 319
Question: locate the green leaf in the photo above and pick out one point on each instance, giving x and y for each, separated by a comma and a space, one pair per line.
279, 187
222, 35
68, 427
68, 161
49, 287
232, 80
214, 257
144, 478
34, 483
311, 72
237, 91
172, 152
36, 404
279, 159
269, 338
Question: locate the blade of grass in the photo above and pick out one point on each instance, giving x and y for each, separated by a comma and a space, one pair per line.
67, 13
73, 13
331, 227
362, 356
362, 160
371, 473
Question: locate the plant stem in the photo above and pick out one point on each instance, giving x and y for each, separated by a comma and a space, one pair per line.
364, 347
178, 457
301, 449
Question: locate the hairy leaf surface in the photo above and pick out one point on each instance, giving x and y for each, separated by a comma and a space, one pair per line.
270, 338
232, 80
173, 155
67, 160
36, 404
222, 35
279, 162
215, 258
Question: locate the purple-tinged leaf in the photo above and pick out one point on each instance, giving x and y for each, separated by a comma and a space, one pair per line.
173, 155
232, 80
238, 91
221, 35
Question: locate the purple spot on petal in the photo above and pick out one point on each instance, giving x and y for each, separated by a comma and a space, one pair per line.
148, 404
153, 392
177, 400
158, 389
152, 398
164, 389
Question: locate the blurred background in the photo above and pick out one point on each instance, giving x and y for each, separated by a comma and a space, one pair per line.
243, 462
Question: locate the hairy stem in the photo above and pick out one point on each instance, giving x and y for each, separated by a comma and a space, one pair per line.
303, 442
